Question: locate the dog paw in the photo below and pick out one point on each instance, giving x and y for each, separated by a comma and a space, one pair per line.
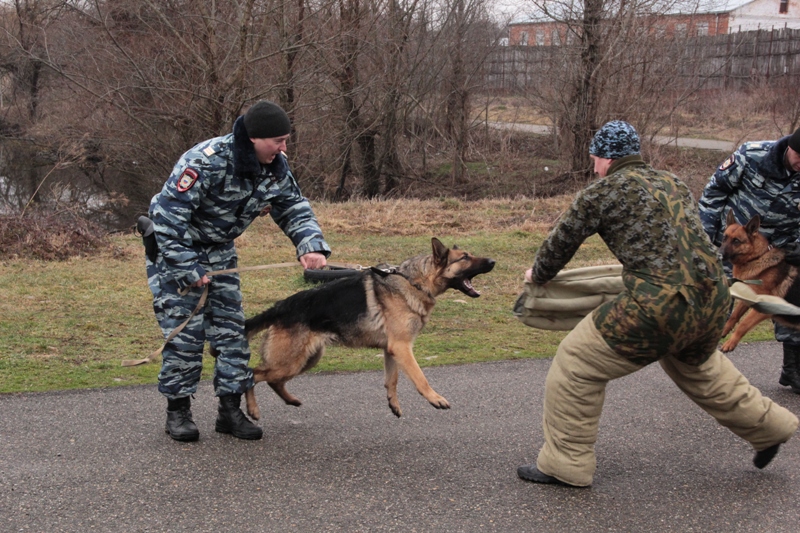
728, 346
254, 413
439, 402
395, 407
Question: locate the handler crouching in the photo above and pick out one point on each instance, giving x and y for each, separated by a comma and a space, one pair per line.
673, 311
214, 193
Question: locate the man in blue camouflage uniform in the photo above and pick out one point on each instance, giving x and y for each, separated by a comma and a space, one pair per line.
672, 310
215, 191
762, 178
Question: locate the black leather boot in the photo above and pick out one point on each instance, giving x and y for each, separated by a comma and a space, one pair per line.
180, 425
790, 374
533, 474
764, 457
232, 420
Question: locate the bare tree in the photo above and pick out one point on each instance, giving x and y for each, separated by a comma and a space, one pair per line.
611, 62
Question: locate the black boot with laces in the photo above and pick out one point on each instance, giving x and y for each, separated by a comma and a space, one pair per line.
180, 425
232, 420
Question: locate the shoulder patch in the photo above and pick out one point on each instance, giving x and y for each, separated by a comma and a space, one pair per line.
728, 163
209, 151
187, 180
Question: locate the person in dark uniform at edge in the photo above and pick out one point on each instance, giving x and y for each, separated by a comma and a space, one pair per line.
762, 178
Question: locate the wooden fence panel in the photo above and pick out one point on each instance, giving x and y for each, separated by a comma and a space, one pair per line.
730, 61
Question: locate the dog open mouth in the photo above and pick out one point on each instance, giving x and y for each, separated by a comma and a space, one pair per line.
464, 282
465, 286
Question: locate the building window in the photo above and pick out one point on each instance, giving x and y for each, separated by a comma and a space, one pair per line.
701, 29
784, 7
680, 30
523, 38
555, 38
539, 38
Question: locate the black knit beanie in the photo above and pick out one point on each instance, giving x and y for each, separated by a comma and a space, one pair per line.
265, 120
794, 141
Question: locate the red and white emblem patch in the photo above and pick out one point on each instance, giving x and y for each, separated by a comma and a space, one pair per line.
187, 179
728, 163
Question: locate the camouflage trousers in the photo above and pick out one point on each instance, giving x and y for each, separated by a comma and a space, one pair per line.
575, 392
220, 322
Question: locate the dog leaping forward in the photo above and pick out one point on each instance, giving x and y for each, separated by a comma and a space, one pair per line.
373, 309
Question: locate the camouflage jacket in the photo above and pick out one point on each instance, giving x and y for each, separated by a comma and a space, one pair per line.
754, 180
214, 193
676, 299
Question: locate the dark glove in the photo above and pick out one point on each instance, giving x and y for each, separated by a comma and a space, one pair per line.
791, 253
147, 230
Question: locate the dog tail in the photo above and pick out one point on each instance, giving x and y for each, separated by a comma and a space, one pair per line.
255, 325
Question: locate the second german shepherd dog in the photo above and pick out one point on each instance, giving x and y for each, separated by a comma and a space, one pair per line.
372, 309
752, 258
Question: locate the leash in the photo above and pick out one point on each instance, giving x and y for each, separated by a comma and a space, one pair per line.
185, 290
200, 304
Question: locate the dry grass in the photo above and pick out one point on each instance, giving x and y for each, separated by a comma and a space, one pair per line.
432, 217
756, 114
513, 109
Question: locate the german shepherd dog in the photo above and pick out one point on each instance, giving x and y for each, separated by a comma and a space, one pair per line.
372, 309
753, 257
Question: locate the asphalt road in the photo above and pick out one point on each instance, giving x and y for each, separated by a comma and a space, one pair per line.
99, 460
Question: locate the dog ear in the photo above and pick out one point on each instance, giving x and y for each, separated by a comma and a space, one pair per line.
753, 225
730, 219
440, 252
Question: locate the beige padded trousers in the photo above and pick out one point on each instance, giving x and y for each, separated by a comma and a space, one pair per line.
575, 390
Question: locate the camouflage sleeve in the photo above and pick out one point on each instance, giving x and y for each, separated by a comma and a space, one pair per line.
717, 192
579, 221
171, 213
293, 214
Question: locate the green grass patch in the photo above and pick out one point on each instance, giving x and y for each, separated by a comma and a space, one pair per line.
66, 325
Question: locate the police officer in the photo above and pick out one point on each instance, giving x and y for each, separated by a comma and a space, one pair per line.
672, 311
214, 193
762, 178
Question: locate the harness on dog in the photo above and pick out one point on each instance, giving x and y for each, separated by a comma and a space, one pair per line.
389, 271
385, 271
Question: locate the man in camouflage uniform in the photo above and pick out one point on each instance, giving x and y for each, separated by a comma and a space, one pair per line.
672, 311
762, 178
215, 191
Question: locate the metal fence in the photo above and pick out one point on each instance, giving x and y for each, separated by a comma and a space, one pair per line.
734, 60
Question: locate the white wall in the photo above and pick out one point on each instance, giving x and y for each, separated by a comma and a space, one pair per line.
764, 14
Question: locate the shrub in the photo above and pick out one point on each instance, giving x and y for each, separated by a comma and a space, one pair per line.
49, 236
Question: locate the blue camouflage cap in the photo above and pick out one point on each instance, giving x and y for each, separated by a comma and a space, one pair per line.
616, 139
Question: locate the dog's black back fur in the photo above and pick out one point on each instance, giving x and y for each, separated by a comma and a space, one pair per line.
324, 308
